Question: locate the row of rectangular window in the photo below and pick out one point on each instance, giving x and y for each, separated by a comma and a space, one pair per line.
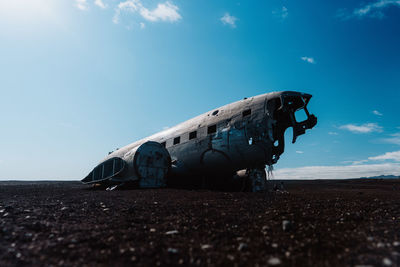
210, 130
192, 135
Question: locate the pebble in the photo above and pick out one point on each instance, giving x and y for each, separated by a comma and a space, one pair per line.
205, 246
172, 250
387, 262
173, 232
380, 245
242, 246
396, 243
274, 261
286, 225
64, 208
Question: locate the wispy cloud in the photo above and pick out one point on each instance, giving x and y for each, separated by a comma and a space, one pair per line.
100, 4
308, 60
142, 25
166, 12
373, 10
299, 152
363, 128
333, 133
377, 113
338, 172
81, 4
281, 13
394, 139
163, 12
395, 156
227, 19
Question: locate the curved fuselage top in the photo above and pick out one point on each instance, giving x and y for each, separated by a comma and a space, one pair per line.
227, 136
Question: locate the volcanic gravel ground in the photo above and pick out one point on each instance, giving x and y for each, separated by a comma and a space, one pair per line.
314, 223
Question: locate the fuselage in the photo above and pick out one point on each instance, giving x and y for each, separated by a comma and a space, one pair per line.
242, 135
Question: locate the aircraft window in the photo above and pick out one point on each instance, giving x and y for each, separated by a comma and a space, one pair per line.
164, 144
192, 135
247, 112
212, 129
215, 112
177, 140
107, 169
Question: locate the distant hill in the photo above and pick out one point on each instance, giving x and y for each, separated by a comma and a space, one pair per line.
382, 177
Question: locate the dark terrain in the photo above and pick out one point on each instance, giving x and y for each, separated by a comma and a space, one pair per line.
317, 223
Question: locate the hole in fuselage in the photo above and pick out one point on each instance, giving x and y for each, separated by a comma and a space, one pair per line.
300, 115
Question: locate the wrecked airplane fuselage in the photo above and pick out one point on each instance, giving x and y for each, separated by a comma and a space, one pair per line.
239, 138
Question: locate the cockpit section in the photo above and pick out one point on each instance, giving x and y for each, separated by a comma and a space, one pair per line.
105, 170
288, 109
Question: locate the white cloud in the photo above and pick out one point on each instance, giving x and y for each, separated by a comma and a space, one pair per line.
163, 12
299, 152
167, 11
395, 139
333, 133
338, 172
357, 162
377, 113
129, 6
81, 4
308, 59
364, 128
372, 10
229, 20
100, 4
388, 156
395, 156
375, 9
281, 13
142, 25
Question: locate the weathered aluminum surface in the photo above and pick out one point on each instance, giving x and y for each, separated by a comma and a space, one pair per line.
249, 134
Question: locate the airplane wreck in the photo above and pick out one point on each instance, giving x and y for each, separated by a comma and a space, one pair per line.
226, 148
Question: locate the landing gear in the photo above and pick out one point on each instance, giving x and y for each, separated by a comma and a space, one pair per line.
253, 180
257, 179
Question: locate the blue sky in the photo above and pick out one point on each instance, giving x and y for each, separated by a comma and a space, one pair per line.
81, 78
